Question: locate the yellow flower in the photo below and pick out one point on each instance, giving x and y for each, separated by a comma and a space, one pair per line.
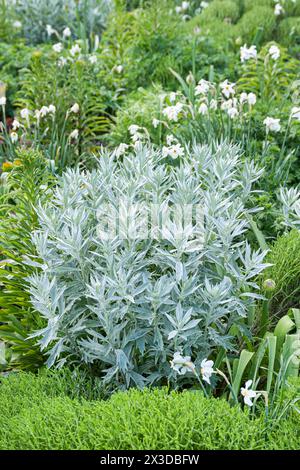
37, 54
6, 166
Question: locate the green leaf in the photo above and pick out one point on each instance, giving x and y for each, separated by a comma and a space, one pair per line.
243, 361
272, 342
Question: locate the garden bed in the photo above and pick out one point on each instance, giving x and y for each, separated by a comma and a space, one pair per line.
149, 224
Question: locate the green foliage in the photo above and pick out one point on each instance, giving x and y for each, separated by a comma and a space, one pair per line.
148, 42
289, 33
140, 107
220, 34
13, 59
285, 271
153, 41
5, 24
271, 79
274, 360
290, 7
43, 413
25, 186
46, 384
275, 84
227, 11
256, 25
253, 4
131, 4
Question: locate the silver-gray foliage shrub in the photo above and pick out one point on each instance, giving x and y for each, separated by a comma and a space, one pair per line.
290, 206
125, 305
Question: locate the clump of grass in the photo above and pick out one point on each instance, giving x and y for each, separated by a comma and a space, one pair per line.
256, 25
285, 258
226, 10
289, 32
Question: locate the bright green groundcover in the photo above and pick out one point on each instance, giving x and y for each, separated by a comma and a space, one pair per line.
55, 411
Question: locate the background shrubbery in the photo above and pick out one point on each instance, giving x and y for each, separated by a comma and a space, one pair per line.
85, 17
28, 183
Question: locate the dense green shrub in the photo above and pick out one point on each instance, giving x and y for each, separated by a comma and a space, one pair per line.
40, 413
289, 32
285, 258
215, 38
256, 26
147, 49
291, 7
225, 10
138, 108
13, 59
28, 387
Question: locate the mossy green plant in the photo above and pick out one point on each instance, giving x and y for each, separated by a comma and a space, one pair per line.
33, 416
256, 26
225, 10
285, 272
289, 32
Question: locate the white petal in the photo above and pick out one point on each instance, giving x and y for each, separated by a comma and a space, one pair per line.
248, 384
177, 356
204, 377
209, 364
248, 401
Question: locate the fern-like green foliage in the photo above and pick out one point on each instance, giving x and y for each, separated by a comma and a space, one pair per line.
289, 33
270, 79
24, 186
285, 257
149, 41
146, 42
45, 83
